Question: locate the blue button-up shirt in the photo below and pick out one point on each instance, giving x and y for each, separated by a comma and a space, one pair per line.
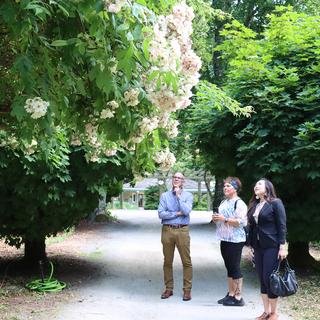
170, 205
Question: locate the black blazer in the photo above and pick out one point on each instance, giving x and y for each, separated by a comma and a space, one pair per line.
271, 229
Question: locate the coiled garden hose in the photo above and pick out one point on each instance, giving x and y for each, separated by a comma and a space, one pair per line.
46, 284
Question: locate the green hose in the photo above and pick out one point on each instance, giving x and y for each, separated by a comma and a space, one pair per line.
46, 284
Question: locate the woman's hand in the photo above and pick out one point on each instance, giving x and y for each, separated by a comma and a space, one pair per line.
282, 252
217, 217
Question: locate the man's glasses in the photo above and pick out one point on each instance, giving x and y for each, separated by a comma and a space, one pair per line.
177, 178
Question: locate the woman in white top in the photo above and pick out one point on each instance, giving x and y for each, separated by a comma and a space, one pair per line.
230, 220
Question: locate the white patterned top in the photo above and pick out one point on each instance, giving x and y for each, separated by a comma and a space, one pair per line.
226, 232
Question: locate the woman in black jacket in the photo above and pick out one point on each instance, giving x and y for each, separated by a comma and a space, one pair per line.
267, 237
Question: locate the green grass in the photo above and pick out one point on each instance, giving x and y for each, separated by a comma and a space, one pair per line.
93, 255
60, 237
305, 304
107, 216
126, 205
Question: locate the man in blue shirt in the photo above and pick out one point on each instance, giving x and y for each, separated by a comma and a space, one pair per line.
174, 211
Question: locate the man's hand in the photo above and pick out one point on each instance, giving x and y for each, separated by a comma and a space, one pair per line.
179, 213
177, 191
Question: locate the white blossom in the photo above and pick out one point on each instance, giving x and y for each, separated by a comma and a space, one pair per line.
131, 97
36, 107
94, 157
165, 159
170, 51
164, 119
75, 140
191, 63
149, 124
113, 104
13, 142
172, 128
114, 6
106, 113
110, 152
31, 147
92, 135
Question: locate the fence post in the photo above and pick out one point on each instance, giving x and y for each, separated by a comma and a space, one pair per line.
208, 202
121, 200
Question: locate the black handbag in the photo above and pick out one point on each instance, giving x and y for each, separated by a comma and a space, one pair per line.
283, 284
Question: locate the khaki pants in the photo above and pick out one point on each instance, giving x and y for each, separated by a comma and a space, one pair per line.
170, 239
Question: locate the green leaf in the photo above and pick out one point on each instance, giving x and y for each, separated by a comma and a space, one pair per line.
145, 46
62, 43
129, 36
59, 43
104, 81
63, 9
123, 27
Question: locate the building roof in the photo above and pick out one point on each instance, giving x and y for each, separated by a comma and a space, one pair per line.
189, 185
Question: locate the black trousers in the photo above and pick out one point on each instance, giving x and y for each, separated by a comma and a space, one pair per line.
266, 261
231, 254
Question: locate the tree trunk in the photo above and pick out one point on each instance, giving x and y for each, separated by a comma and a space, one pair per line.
299, 256
217, 60
199, 192
218, 192
209, 193
35, 251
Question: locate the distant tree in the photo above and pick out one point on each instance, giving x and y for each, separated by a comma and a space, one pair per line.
277, 73
210, 130
251, 13
254, 13
152, 198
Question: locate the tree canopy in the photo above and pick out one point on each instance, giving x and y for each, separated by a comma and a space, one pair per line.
277, 73
86, 102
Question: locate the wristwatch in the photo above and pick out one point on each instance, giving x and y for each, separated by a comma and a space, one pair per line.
226, 220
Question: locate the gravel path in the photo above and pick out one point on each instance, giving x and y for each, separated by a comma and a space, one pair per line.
131, 283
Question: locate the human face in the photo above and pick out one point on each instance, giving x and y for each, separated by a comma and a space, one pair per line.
228, 190
260, 188
177, 180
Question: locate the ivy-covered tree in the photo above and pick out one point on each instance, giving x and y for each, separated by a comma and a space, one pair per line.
88, 90
277, 73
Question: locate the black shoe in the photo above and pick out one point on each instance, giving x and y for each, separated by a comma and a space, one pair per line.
233, 302
222, 300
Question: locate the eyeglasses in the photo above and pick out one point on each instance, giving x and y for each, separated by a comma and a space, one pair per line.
177, 178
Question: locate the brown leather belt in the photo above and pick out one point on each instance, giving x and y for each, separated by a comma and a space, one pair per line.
176, 226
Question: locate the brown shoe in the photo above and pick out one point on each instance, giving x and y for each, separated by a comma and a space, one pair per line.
186, 295
166, 294
264, 316
273, 316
